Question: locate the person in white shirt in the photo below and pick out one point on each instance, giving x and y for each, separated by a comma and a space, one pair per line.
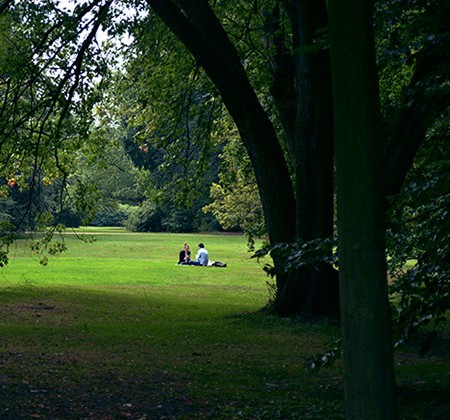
201, 257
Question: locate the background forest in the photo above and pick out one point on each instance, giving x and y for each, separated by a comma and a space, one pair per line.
145, 149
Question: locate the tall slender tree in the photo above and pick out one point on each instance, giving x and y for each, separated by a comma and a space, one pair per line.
368, 361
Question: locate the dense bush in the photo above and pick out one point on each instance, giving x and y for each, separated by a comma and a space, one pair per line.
69, 218
149, 217
144, 218
115, 215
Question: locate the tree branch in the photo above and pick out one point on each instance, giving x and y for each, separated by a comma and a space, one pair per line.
196, 25
421, 106
4, 5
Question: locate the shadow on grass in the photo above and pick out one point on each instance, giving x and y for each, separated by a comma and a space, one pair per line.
92, 354
153, 353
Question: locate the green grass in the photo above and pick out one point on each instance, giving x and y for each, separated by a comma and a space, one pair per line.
116, 328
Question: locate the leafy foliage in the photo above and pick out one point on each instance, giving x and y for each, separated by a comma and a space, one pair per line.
236, 202
144, 218
326, 359
300, 254
47, 63
412, 58
167, 111
413, 67
420, 232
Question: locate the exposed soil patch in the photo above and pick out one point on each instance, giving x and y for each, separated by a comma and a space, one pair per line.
62, 386
107, 397
30, 310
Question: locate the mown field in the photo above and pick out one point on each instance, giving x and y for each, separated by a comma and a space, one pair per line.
116, 329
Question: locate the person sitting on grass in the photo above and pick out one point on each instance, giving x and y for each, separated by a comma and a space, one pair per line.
201, 257
185, 255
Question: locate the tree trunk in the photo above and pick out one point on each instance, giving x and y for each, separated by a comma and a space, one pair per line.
312, 290
367, 345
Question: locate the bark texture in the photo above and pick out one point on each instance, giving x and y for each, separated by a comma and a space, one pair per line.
312, 290
367, 344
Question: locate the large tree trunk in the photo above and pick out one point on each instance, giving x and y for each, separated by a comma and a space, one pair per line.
311, 290
367, 345
195, 24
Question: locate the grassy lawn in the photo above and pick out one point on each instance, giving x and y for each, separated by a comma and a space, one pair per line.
116, 329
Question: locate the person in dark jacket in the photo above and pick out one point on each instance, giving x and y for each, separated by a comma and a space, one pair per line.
185, 255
